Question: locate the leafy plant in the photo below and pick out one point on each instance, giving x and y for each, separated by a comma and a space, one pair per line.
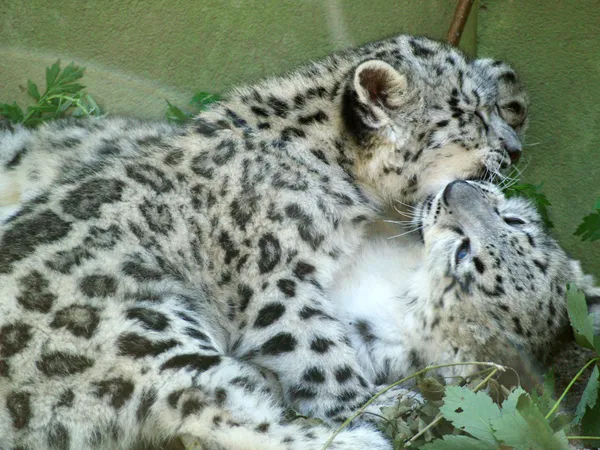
589, 229
198, 103
62, 97
479, 413
534, 193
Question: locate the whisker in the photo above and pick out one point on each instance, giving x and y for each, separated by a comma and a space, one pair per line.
401, 223
405, 233
411, 207
408, 214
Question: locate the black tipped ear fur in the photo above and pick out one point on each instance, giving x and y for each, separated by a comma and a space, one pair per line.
375, 89
379, 84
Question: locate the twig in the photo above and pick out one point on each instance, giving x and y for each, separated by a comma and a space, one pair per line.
440, 416
589, 438
569, 386
404, 380
461, 14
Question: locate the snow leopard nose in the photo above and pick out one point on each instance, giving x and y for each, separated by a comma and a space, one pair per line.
514, 150
469, 207
511, 143
457, 191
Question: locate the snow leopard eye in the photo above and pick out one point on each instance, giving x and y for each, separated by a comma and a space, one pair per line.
513, 221
463, 251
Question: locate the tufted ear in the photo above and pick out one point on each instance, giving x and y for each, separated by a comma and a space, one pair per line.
379, 85
375, 91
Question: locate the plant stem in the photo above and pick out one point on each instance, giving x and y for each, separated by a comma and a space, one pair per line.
555, 407
440, 416
399, 382
584, 438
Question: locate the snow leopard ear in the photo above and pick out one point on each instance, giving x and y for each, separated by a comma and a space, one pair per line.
374, 92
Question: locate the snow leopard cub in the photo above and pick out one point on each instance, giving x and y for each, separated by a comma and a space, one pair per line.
483, 282
154, 272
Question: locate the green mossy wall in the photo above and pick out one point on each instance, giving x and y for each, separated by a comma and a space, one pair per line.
140, 52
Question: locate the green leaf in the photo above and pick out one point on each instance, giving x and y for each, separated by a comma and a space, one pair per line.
590, 425
583, 324
470, 412
13, 112
534, 193
176, 115
589, 229
202, 99
545, 402
526, 428
51, 74
589, 396
451, 442
509, 406
32, 90
431, 388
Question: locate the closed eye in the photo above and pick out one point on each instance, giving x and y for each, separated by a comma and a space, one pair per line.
513, 221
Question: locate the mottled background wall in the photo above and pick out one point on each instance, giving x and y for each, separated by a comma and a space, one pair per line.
140, 52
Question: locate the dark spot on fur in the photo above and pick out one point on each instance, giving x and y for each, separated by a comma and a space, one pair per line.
321, 345
66, 399
150, 176
227, 244
150, 319
191, 406
343, 374
98, 285
85, 201
63, 364
22, 238
300, 392
280, 107
270, 253
80, 320
59, 438
16, 159
118, 391
479, 265
137, 346
19, 408
146, 401
191, 361
224, 152
280, 343
269, 314
314, 375
288, 287
14, 338
364, 330
64, 261
318, 117
35, 295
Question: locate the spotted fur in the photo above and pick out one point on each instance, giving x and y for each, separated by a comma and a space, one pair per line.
485, 283
152, 277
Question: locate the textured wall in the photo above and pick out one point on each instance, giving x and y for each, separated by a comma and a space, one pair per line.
555, 46
139, 52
